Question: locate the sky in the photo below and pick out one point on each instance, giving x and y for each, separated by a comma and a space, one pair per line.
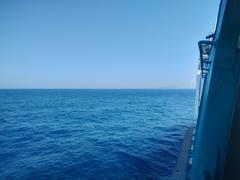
102, 43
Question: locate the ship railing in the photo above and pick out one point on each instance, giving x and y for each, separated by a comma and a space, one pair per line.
205, 49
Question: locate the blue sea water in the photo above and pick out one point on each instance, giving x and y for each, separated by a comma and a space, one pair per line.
92, 134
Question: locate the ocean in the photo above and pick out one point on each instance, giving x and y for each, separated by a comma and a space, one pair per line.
92, 134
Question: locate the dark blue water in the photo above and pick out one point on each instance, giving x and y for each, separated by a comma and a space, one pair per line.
92, 134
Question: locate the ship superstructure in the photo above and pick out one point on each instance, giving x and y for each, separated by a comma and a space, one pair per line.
216, 143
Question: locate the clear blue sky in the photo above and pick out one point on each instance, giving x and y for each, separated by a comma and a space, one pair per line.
102, 43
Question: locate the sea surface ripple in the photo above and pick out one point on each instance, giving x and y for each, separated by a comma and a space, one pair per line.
92, 134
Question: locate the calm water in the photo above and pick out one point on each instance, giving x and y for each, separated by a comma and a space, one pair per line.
92, 134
